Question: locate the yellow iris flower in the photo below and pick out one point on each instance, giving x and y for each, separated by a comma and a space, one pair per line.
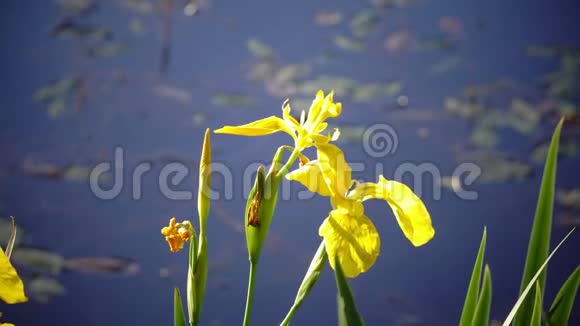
11, 287
306, 132
349, 235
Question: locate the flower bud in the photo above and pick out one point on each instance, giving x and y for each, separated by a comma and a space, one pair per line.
203, 200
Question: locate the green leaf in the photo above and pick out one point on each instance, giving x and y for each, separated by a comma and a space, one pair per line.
562, 305
178, 317
12, 239
522, 297
310, 279
537, 312
473, 290
540, 237
200, 278
481, 314
347, 313
192, 303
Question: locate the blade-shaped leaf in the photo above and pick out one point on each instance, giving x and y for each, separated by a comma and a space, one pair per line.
12, 239
310, 279
537, 312
522, 297
192, 303
200, 278
473, 290
347, 313
178, 317
562, 305
539, 244
481, 314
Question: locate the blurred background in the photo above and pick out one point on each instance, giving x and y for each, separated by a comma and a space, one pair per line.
458, 81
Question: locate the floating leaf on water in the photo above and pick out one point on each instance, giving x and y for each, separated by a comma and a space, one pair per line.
393, 3
260, 49
452, 183
234, 100
568, 220
497, 167
38, 260
368, 92
107, 50
423, 132
136, 26
56, 107
72, 172
78, 173
328, 54
342, 86
43, 289
569, 199
436, 43
542, 51
40, 169
298, 105
484, 137
567, 148
328, 18
199, 119
446, 65
350, 134
173, 92
523, 117
102, 265
191, 8
483, 90
565, 82
291, 73
56, 89
144, 7
452, 26
364, 22
6, 230
399, 41
349, 44
68, 29
77, 7
463, 109
262, 71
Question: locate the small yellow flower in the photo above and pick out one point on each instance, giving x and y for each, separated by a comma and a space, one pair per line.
176, 234
349, 235
306, 132
11, 287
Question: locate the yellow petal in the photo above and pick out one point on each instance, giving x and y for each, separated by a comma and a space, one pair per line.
329, 108
310, 176
351, 239
314, 110
408, 208
11, 287
335, 170
288, 117
260, 127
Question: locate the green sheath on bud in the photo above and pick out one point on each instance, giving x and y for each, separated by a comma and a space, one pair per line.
204, 187
259, 210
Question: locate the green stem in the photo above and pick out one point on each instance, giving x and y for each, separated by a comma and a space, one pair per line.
291, 159
250, 296
289, 316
